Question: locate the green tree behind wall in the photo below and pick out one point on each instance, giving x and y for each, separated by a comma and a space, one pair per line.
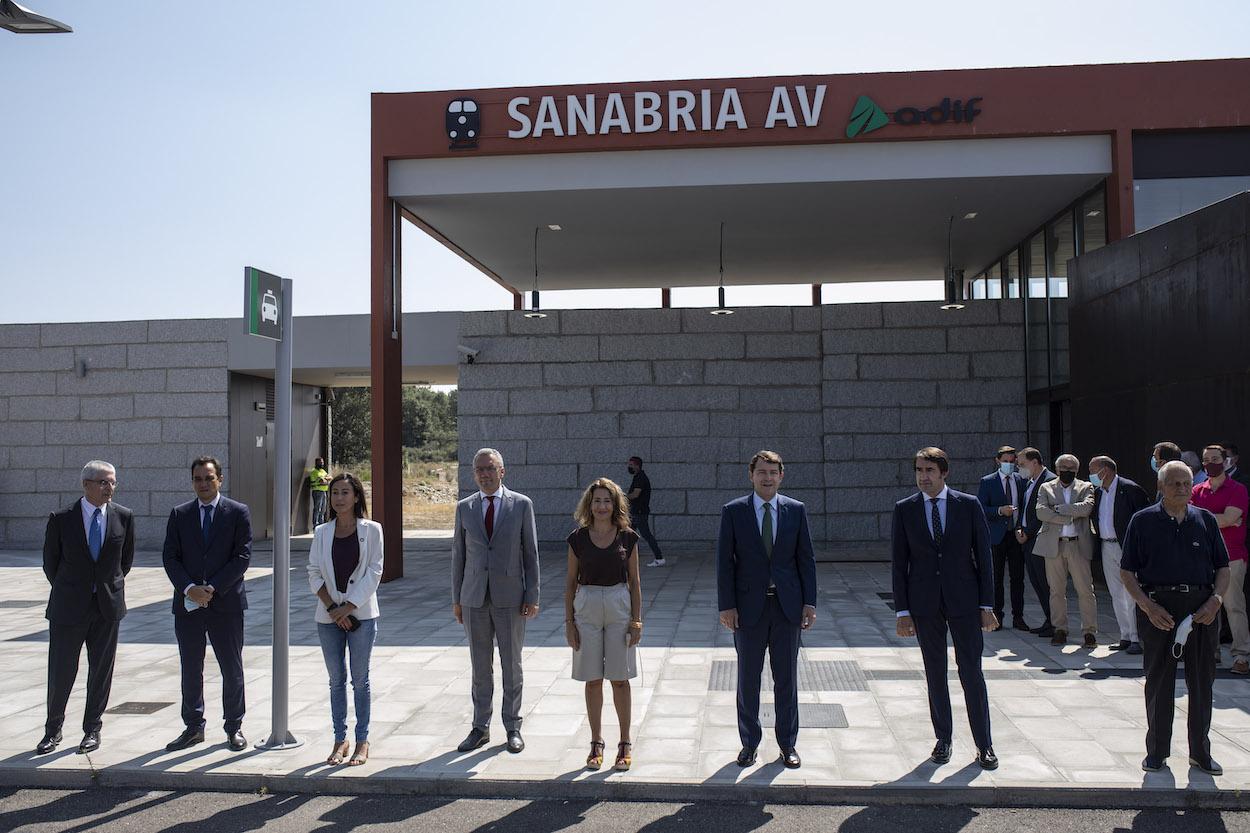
428, 424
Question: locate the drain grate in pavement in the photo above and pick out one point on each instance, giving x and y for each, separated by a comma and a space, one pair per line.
817, 675
137, 707
21, 603
811, 716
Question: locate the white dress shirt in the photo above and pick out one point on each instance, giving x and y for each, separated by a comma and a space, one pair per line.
759, 514
497, 495
200, 509
1106, 511
928, 508
88, 512
1069, 529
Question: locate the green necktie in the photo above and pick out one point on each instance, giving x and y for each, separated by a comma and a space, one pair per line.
766, 530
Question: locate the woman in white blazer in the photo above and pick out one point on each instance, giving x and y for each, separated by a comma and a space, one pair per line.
344, 570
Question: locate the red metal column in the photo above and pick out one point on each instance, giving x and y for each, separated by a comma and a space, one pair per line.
386, 372
1120, 223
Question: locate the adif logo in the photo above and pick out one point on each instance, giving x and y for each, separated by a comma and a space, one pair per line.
867, 115
464, 123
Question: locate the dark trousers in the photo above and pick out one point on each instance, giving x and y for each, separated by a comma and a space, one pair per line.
969, 640
781, 637
1036, 567
225, 630
1160, 667
1008, 558
642, 525
64, 650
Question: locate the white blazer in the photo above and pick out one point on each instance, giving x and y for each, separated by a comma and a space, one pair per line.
362, 587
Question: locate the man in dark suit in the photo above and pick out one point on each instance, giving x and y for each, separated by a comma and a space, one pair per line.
88, 549
1116, 500
208, 546
943, 579
766, 589
1036, 475
1000, 493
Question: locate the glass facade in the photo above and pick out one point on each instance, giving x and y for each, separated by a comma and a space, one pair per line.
1036, 271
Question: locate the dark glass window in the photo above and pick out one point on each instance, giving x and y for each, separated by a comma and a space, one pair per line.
1036, 314
1011, 274
1094, 221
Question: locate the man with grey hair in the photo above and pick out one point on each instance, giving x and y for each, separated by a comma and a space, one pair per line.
1066, 541
88, 549
1116, 500
1175, 566
494, 589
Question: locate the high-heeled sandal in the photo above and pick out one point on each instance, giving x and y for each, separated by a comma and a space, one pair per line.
595, 759
624, 759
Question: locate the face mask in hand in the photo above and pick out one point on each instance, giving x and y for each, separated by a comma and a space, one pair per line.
1182, 634
1066, 477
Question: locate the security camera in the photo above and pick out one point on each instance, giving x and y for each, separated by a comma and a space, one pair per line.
469, 353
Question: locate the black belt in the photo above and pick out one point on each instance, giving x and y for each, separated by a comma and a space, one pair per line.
772, 591
1111, 540
1176, 588
1069, 537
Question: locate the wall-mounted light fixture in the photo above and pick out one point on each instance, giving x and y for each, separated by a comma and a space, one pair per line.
721, 309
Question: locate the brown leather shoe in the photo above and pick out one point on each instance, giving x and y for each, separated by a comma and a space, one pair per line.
1060, 637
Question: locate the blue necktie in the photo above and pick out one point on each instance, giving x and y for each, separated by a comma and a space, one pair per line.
95, 541
937, 523
208, 521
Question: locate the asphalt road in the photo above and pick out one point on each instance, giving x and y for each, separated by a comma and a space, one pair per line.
138, 811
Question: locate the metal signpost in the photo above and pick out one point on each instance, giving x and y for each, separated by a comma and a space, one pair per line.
268, 307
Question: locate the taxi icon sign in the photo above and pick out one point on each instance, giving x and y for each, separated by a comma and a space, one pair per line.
269, 308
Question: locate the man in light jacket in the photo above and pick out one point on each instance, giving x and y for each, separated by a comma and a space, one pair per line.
1066, 541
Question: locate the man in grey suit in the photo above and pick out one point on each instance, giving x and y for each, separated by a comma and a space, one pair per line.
494, 589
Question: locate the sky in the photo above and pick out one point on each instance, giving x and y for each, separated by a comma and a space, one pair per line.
153, 153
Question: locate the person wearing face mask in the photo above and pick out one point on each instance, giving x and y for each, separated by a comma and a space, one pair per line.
1234, 470
1000, 494
1037, 474
1191, 459
1066, 541
1227, 500
639, 495
1116, 500
1164, 452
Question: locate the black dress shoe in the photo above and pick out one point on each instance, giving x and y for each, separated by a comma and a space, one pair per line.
986, 758
1020, 625
48, 743
1089, 641
747, 756
1133, 648
1122, 645
1150, 764
235, 740
189, 737
790, 758
515, 742
476, 740
941, 752
1046, 630
90, 743
1209, 766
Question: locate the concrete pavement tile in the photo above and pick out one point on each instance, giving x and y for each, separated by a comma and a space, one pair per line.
1086, 754
1058, 728
674, 727
673, 705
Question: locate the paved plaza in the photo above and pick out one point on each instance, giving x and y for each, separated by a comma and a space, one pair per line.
1068, 723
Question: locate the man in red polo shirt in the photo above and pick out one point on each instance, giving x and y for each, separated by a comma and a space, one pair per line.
1227, 499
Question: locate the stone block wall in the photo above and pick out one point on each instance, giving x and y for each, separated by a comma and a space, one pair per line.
844, 393
153, 396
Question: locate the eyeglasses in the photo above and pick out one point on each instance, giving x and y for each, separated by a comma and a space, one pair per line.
103, 483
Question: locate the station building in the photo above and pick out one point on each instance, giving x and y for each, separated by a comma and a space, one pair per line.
1080, 217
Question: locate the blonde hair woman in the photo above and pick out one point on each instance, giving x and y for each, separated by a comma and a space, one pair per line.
603, 610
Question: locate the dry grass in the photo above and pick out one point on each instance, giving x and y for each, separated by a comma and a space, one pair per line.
429, 500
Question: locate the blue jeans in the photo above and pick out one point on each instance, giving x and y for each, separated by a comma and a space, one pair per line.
338, 645
318, 507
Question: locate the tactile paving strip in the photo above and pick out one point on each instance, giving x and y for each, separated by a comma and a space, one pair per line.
137, 707
819, 675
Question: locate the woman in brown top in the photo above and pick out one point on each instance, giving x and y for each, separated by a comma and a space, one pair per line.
603, 610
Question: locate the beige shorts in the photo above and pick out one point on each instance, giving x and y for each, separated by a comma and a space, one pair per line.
602, 618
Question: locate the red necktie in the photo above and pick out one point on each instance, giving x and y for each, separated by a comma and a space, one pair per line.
490, 516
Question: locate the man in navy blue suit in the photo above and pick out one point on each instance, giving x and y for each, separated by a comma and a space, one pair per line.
1002, 496
208, 546
766, 590
942, 579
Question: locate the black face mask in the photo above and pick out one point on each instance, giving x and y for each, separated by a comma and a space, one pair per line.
1066, 477
631, 469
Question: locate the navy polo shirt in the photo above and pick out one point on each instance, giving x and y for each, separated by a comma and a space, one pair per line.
1161, 551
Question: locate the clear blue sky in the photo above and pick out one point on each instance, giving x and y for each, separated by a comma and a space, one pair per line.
159, 148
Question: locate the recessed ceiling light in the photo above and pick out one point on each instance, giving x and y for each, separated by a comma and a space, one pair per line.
952, 306
971, 215
1093, 213
554, 226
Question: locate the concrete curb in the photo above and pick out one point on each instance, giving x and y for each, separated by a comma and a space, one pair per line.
456, 786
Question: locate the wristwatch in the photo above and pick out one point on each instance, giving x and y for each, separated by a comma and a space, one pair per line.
1219, 598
